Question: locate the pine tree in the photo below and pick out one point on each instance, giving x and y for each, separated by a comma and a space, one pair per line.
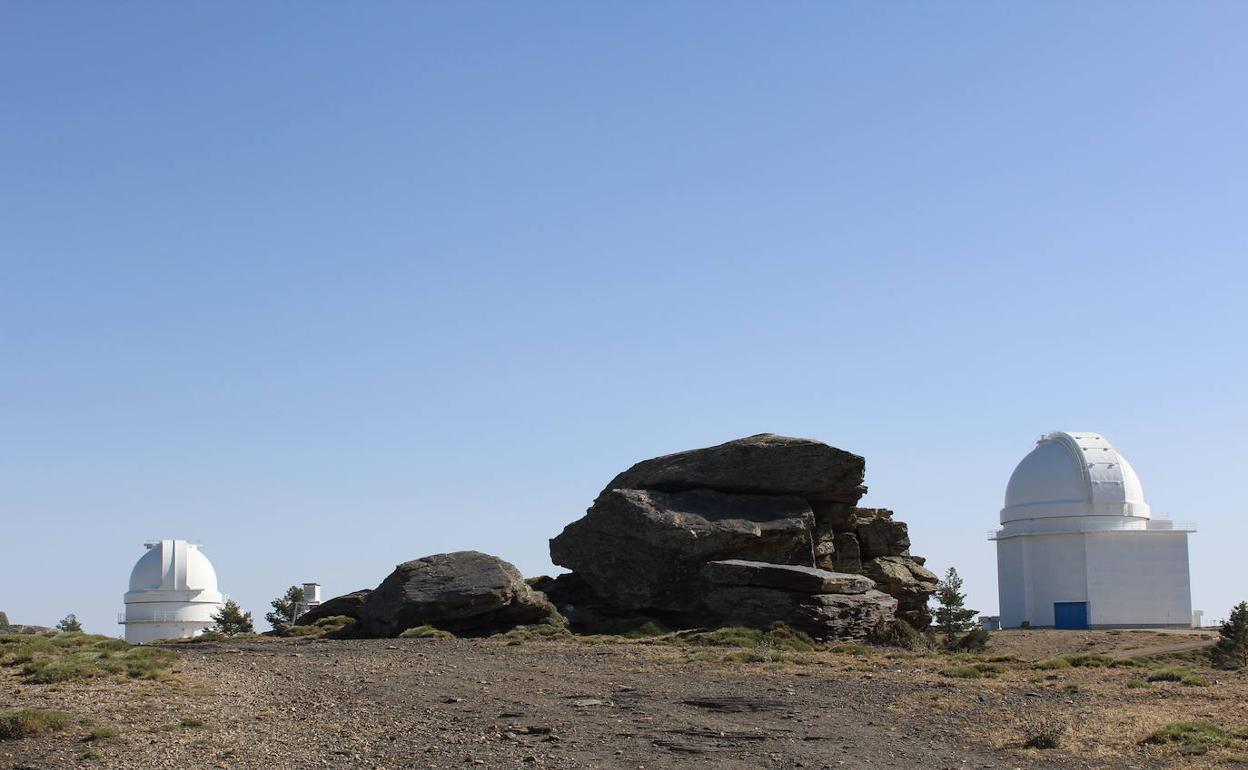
1231, 649
286, 609
952, 618
69, 623
4, 621
231, 619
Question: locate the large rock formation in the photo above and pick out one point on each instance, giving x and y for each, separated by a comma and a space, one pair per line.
670, 536
466, 592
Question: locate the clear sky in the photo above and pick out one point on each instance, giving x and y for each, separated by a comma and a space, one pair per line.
330, 286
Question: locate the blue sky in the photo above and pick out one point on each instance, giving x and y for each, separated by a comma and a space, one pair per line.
331, 286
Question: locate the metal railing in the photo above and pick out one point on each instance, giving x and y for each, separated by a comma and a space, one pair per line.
1154, 525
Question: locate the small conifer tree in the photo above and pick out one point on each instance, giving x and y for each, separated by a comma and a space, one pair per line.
4, 621
231, 619
1231, 649
952, 617
69, 623
286, 609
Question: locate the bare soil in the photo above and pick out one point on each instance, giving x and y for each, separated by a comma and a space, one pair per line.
413, 703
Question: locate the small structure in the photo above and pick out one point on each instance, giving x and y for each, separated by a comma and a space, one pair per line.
1078, 547
311, 598
173, 593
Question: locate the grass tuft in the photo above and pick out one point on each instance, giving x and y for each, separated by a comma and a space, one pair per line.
21, 723
426, 632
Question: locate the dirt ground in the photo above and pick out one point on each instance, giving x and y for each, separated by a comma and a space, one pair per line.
416, 703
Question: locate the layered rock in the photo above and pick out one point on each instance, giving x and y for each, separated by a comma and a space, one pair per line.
671, 537
642, 550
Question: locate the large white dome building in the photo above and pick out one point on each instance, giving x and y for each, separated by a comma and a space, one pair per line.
173, 593
1078, 547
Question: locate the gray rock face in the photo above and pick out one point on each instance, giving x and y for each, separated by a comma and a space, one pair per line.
909, 581
848, 555
350, 605
466, 592
642, 549
788, 577
765, 464
823, 616
878, 535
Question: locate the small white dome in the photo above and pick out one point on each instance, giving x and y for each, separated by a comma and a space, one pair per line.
1073, 474
173, 565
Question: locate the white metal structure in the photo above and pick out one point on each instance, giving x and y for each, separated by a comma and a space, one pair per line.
1078, 546
173, 593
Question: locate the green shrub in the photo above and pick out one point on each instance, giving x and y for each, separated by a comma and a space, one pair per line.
1166, 675
426, 632
1049, 664
1194, 680
192, 724
1137, 683
1193, 738
962, 672
974, 640
20, 723
535, 633
101, 733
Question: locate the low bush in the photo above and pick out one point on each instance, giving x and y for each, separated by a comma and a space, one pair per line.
1194, 680
1136, 683
962, 672
974, 640
1043, 731
20, 723
1049, 664
102, 733
426, 632
1193, 738
1166, 675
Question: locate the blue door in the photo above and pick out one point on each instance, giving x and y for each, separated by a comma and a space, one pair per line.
1072, 615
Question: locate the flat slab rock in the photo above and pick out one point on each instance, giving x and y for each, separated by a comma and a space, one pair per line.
788, 577
765, 464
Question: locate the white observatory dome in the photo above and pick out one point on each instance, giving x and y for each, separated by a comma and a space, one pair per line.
1073, 475
173, 593
194, 572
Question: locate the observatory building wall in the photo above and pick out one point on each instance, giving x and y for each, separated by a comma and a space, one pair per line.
1138, 579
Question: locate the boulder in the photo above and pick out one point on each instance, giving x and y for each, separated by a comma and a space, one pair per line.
788, 577
909, 581
765, 464
350, 605
643, 549
466, 592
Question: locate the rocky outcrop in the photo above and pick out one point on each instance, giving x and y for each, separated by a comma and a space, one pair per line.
350, 605
753, 530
